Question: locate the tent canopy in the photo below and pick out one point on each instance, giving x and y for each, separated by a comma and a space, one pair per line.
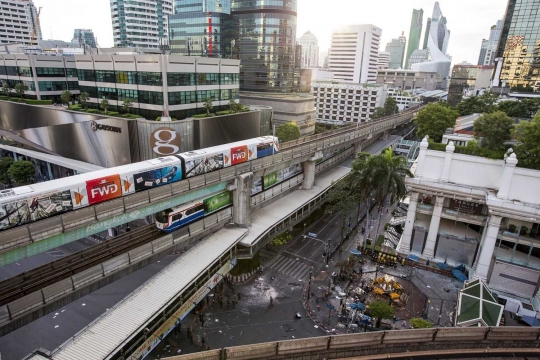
477, 306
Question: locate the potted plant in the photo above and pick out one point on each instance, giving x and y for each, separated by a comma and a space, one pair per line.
523, 230
512, 228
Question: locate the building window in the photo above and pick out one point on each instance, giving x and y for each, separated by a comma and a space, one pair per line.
86, 75
52, 85
180, 79
90, 90
182, 97
12, 71
228, 79
71, 72
151, 97
150, 78
128, 94
50, 72
73, 85
107, 93
105, 76
207, 79
25, 71
202, 95
126, 77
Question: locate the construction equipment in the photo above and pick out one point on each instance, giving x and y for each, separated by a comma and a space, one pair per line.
35, 27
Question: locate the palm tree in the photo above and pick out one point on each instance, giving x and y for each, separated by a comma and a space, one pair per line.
379, 178
5, 89
207, 106
65, 97
233, 106
104, 105
20, 89
127, 105
83, 98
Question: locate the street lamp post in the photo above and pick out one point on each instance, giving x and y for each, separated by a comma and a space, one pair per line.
304, 229
327, 252
309, 286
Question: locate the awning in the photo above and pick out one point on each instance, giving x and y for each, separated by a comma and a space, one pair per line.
413, 257
477, 306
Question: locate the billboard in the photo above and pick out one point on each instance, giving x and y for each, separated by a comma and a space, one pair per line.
165, 141
279, 176
270, 180
206, 163
239, 154
257, 186
217, 201
103, 189
157, 177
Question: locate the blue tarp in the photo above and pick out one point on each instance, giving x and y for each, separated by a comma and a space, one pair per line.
531, 321
443, 266
413, 257
358, 306
355, 252
459, 275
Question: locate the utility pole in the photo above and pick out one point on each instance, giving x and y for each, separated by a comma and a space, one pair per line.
309, 286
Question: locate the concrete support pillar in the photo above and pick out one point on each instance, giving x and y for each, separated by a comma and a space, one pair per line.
384, 135
487, 246
447, 161
357, 149
111, 232
405, 242
150, 219
508, 173
242, 200
421, 157
429, 249
309, 174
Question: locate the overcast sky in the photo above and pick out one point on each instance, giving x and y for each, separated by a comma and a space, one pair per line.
468, 20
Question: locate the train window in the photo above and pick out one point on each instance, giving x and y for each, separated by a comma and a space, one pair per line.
194, 210
163, 216
263, 147
177, 217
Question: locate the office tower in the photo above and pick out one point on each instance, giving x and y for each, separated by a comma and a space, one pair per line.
265, 43
396, 48
426, 34
200, 28
354, 53
415, 33
437, 43
384, 60
84, 36
468, 77
310, 50
19, 22
489, 46
150, 28
419, 56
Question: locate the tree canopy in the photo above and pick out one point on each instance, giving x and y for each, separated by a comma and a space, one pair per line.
381, 310
20, 89
83, 99
5, 163
513, 108
65, 97
22, 172
207, 105
342, 200
434, 119
528, 151
288, 132
390, 108
495, 129
484, 103
419, 323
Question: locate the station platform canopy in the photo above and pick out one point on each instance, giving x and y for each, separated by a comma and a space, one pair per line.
477, 306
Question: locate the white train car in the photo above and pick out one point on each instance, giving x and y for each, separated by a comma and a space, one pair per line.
35, 202
203, 161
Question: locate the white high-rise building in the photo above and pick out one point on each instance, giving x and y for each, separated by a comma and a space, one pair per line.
354, 53
310, 50
18, 18
489, 46
142, 23
384, 60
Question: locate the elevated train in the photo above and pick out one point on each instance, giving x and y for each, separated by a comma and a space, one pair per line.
26, 204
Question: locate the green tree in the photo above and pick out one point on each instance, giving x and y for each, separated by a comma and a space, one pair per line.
434, 119
5, 89
287, 132
419, 323
495, 128
22, 172
514, 108
207, 105
127, 105
5, 163
20, 89
342, 200
532, 105
281, 239
83, 99
389, 108
489, 98
104, 104
378, 113
381, 310
528, 151
65, 97
234, 106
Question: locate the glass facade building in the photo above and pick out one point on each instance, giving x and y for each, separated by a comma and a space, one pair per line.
84, 36
519, 46
415, 33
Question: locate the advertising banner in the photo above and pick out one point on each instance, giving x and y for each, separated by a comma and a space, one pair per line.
206, 163
239, 155
270, 180
257, 186
103, 189
157, 177
217, 201
466, 207
279, 176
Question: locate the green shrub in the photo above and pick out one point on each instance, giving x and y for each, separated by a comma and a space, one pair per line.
158, 118
93, 111
3, 98
75, 107
201, 116
38, 102
113, 113
470, 149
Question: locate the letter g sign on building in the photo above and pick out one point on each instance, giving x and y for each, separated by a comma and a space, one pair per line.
165, 141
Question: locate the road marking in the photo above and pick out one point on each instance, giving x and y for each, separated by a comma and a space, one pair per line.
282, 260
289, 266
298, 252
301, 257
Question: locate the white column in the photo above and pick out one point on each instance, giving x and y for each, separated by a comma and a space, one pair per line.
242, 200
447, 161
506, 180
421, 157
487, 247
429, 249
405, 242
309, 174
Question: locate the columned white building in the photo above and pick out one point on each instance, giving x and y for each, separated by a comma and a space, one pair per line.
142, 23
354, 53
479, 212
310, 50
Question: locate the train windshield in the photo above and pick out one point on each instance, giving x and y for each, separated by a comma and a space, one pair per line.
163, 216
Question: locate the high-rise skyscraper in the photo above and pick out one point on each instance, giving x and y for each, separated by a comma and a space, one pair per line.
519, 47
426, 33
84, 36
415, 33
265, 42
437, 43
310, 50
200, 28
489, 46
149, 30
19, 22
354, 53
396, 48
384, 60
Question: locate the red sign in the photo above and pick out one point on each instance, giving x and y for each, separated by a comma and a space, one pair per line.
103, 189
239, 154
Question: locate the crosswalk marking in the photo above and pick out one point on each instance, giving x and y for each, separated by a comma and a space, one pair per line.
291, 267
